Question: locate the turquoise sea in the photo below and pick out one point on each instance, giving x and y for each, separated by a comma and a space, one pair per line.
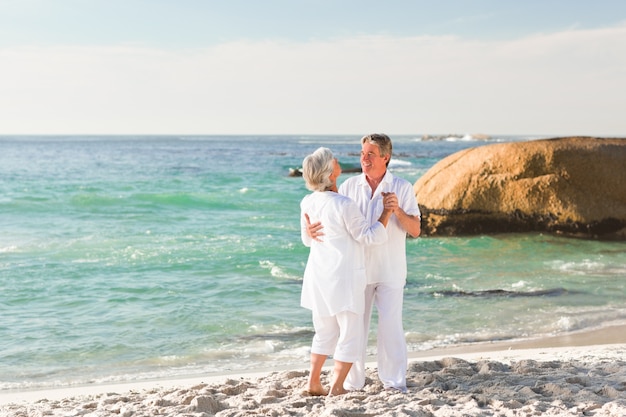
126, 258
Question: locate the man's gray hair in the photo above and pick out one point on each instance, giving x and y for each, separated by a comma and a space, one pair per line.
382, 141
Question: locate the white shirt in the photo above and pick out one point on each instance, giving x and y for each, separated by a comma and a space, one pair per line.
384, 263
334, 277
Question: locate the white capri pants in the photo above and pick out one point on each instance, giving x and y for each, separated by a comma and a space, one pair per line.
340, 336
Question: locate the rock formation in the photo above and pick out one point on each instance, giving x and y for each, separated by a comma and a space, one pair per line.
573, 186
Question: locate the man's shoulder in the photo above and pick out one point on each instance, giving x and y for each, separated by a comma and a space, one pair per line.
398, 182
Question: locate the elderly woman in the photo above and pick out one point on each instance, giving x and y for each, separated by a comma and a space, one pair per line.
334, 277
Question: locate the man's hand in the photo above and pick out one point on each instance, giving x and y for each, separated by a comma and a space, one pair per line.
313, 230
390, 201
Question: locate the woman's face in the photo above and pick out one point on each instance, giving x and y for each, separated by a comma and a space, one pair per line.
336, 171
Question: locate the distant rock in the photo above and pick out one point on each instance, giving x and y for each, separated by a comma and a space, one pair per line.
573, 186
295, 172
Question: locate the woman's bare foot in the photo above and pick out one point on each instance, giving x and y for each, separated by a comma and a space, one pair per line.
316, 390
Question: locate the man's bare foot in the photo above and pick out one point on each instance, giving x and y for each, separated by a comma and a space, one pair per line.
337, 391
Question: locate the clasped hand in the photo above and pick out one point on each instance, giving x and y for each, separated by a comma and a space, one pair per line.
390, 201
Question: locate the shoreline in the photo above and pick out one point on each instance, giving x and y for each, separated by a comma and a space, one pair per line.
609, 335
577, 344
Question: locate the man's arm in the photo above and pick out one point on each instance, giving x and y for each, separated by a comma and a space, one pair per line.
314, 230
411, 224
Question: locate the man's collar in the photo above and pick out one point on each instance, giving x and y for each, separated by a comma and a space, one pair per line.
388, 178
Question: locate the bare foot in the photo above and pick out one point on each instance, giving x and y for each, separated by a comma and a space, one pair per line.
316, 390
337, 391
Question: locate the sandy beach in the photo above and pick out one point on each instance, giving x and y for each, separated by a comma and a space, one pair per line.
582, 374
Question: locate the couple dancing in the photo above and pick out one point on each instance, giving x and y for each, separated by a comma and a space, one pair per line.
357, 234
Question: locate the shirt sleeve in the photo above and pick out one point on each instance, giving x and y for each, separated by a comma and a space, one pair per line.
408, 201
358, 226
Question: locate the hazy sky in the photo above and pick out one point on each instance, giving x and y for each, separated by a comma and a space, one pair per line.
313, 67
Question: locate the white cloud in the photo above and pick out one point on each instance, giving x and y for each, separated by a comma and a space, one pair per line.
572, 82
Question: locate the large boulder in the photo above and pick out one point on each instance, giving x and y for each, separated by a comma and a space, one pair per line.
573, 186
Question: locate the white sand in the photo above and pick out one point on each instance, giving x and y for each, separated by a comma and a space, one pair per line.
544, 381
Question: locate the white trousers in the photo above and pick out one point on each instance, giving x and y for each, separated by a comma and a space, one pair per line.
340, 335
391, 344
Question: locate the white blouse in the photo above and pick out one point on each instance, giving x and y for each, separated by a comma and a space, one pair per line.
334, 277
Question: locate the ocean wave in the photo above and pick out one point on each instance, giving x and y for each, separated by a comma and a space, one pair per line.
552, 292
588, 266
567, 320
396, 163
277, 271
9, 249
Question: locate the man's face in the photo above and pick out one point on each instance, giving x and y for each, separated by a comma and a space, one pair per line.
372, 163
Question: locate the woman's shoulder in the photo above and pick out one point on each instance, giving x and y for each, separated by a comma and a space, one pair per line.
341, 199
339, 202
323, 198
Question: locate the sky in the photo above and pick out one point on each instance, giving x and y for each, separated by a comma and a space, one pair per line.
204, 67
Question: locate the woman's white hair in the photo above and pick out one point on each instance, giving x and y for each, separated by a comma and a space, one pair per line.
317, 169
